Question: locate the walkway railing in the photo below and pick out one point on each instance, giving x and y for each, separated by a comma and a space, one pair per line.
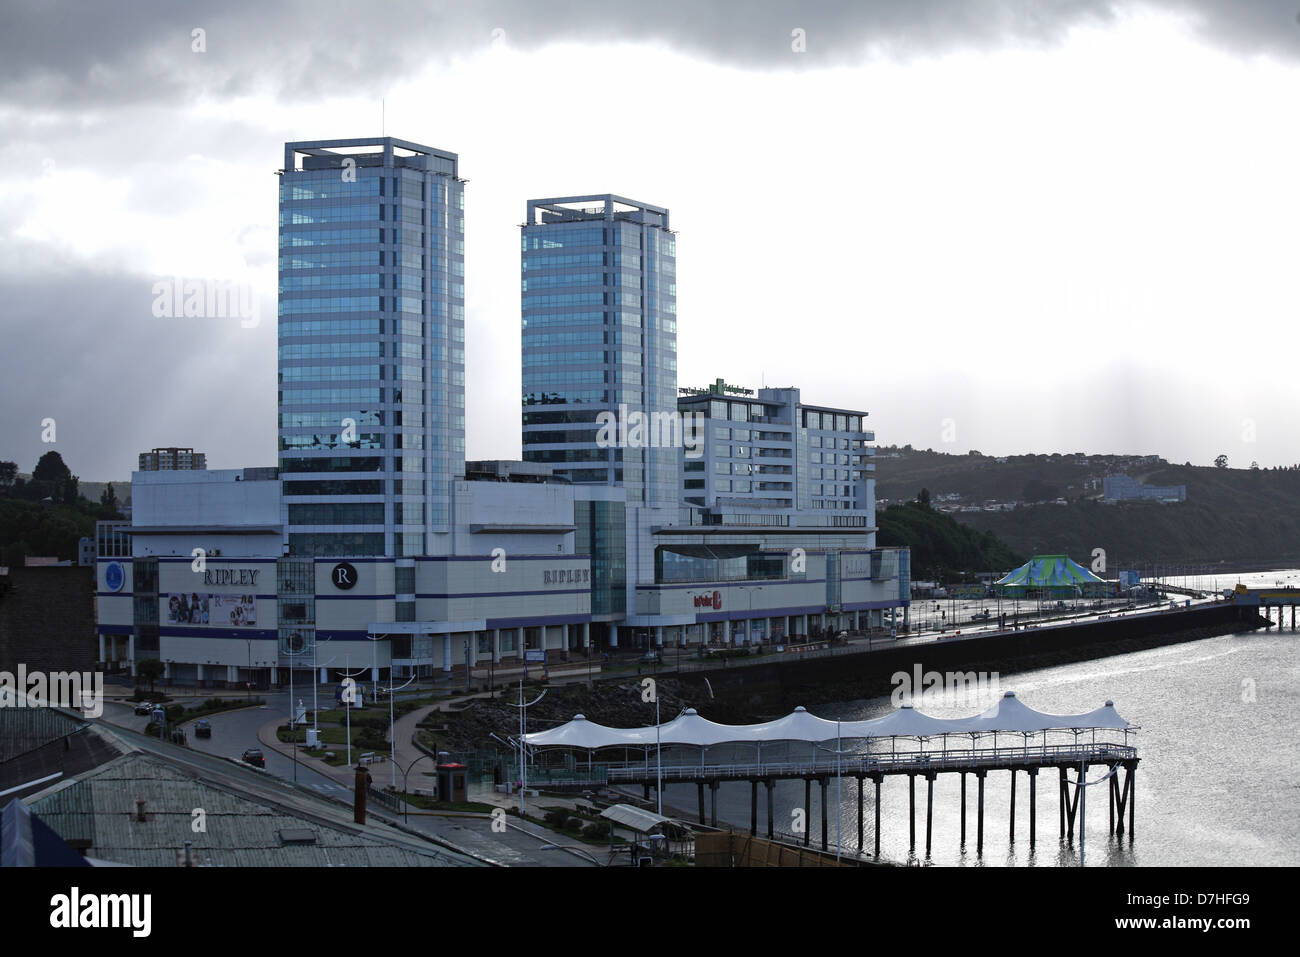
917, 761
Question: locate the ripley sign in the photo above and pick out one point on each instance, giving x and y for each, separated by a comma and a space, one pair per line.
713, 600
230, 576
567, 576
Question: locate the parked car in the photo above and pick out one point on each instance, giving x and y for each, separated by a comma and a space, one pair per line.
144, 708
203, 728
255, 757
649, 658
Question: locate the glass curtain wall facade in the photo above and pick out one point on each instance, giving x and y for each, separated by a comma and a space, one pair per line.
371, 345
599, 296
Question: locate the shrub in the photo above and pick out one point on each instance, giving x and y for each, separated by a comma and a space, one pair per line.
573, 824
558, 817
596, 830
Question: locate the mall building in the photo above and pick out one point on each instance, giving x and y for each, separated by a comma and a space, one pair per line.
373, 544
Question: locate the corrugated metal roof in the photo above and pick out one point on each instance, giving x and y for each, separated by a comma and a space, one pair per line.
634, 817
238, 831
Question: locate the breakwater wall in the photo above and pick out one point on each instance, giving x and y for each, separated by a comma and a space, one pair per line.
738, 695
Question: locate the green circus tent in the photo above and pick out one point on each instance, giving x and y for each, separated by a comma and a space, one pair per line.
1056, 575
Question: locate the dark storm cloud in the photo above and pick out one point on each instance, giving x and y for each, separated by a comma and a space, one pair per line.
60, 52
85, 350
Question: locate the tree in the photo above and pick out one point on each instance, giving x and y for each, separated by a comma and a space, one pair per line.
924, 497
1221, 462
8, 475
150, 669
108, 501
1254, 466
51, 468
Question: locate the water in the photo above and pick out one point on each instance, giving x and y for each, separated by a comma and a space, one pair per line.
1218, 781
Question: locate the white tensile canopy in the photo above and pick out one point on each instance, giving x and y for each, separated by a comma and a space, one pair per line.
1008, 714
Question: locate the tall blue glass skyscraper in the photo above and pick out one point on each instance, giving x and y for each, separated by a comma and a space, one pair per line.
371, 345
599, 335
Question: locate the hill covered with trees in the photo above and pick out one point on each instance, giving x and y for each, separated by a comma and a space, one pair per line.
47, 515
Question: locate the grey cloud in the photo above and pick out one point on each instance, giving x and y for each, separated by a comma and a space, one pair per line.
84, 349
64, 52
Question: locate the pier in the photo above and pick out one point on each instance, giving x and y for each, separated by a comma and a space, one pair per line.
924, 765
1100, 737
1266, 599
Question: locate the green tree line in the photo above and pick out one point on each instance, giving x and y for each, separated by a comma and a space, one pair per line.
47, 514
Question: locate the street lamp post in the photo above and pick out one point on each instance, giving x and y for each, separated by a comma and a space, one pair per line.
405, 800
293, 713
523, 733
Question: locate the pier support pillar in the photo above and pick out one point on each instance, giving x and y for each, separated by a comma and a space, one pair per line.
753, 807
877, 779
1110, 804
861, 782
911, 812
1132, 797
979, 815
1061, 793
824, 841
647, 790
713, 810
1013, 806
770, 785
929, 809
1033, 805
963, 809
807, 809
699, 785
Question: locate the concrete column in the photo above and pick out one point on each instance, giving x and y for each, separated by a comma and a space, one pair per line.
324, 675
564, 634
274, 676
613, 636
788, 619
446, 653
496, 646
659, 636
519, 643
198, 672
586, 638
102, 656
726, 631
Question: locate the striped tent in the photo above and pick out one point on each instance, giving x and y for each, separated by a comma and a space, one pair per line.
1056, 575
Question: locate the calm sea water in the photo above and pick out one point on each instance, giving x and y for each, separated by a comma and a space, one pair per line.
1218, 783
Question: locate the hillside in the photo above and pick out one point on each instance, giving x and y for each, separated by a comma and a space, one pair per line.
1242, 515
942, 548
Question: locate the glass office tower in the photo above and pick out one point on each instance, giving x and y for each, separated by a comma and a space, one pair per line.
600, 335
371, 345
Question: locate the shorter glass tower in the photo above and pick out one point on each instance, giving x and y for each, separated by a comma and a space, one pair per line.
599, 278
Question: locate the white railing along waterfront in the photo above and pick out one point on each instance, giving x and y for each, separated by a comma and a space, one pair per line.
884, 763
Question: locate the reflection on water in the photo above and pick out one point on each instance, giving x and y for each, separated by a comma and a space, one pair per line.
1217, 784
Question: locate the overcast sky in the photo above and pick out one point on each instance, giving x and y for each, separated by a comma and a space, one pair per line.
1008, 225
